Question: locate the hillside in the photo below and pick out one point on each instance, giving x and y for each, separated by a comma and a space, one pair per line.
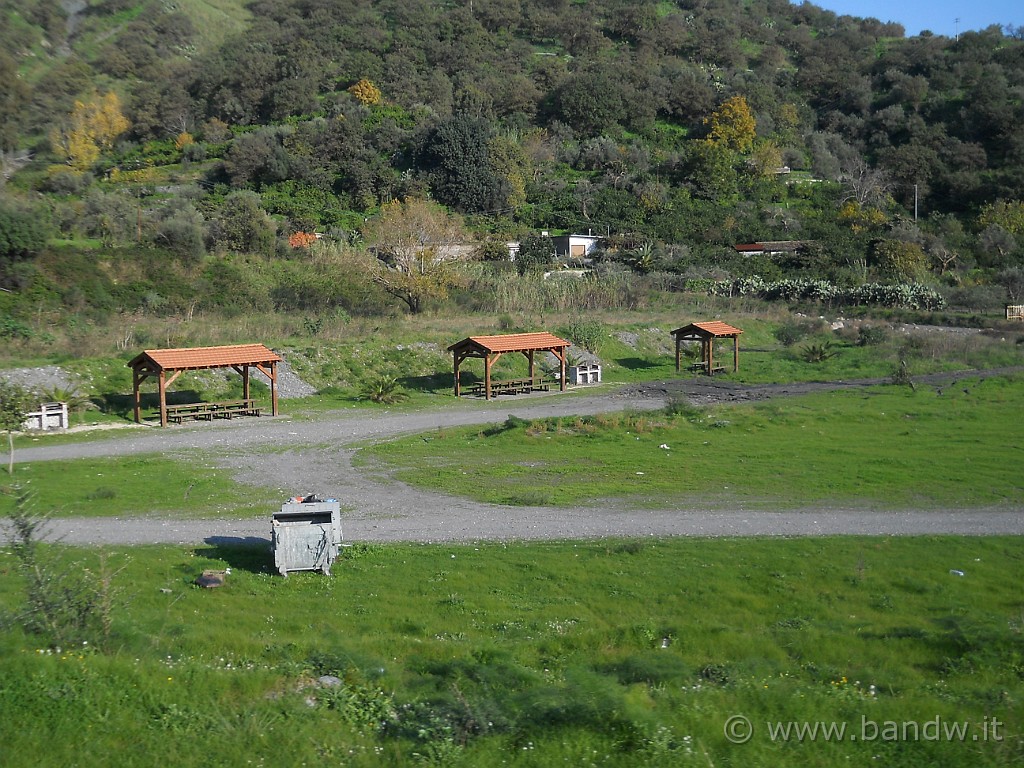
165, 139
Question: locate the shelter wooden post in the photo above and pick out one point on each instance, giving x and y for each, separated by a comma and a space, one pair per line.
137, 378
273, 389
162, 385
272, 375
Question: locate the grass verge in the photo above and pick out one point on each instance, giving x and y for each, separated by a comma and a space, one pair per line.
953, 446
130, 485
617, 653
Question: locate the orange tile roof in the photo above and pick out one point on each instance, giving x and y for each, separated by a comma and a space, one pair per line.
710, 328
205, 357
513, 342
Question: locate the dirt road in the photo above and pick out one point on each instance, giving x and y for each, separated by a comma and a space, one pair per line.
300, 456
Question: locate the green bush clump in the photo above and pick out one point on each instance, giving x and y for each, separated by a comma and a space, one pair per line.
871, 335
586, 333
793, 331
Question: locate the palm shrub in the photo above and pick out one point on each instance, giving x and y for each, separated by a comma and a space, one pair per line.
76, 400
817, 353
383, 389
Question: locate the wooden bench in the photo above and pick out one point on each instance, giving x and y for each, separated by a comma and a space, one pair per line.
232, 408
704, 367
177, 413
512, 386
208, 411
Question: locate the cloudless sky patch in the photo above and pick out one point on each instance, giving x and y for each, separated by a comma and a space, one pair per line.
938, 16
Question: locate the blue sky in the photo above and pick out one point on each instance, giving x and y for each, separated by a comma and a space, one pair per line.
939, 16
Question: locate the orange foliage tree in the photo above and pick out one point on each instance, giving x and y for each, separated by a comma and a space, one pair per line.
301, 239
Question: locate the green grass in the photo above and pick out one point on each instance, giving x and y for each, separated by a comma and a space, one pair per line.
152, 484
884, 446
344, 353
531, 655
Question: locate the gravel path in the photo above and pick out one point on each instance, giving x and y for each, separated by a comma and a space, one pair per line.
315, 457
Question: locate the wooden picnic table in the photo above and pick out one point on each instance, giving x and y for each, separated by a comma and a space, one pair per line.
703, 366
512, 386
207, 411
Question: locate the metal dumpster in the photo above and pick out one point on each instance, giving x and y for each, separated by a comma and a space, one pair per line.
306, 535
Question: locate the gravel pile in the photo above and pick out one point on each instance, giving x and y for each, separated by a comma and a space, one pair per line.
45, 377
289, 384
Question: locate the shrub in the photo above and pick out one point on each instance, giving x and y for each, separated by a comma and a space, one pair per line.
301, 239
679, 406
66, 605
11, 328
871, 335
817, 353
586, 333
792, 331
901, 376
384, 390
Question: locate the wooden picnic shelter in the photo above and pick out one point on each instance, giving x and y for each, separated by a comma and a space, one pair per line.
490, 348
166, 365
706, 333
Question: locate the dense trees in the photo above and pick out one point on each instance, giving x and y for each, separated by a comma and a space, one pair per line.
457, 157
24, 232
652, 121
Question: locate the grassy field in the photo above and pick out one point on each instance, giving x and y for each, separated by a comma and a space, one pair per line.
887, 446
900, 652
149, 484
618, 653
339, 356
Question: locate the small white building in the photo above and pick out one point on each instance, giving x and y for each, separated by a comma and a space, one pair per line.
575, 248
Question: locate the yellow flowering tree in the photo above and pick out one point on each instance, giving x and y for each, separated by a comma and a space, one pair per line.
366, 92
732, 125
89, 130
